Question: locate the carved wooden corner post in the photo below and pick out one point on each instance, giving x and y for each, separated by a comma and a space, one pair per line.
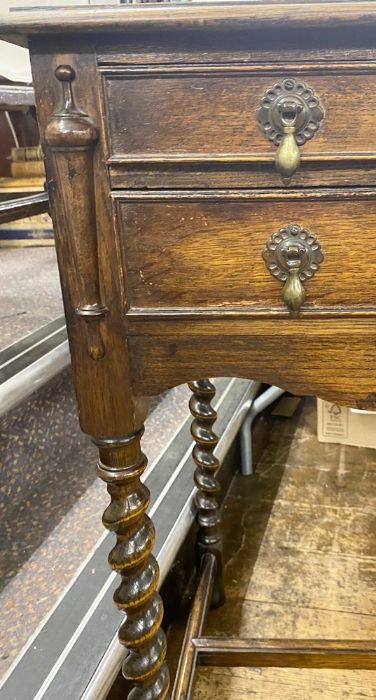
208, 515
104, 393
72, 137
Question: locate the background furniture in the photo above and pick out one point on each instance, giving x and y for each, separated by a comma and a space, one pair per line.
170, 229
259, 404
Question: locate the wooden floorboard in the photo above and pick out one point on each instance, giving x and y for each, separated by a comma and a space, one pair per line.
301, 561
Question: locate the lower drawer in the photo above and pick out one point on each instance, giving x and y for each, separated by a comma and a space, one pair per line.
186, 251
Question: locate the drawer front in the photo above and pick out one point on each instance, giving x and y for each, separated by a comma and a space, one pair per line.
204, 251
187, 116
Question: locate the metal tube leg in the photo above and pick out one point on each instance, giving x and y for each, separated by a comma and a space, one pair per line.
259, 404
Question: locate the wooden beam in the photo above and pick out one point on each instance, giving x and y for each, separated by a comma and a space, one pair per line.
285, 653
185, 674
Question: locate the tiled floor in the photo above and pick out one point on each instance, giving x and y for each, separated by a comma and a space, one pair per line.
301, 561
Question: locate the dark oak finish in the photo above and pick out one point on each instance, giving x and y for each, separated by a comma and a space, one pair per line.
296, 14
72, 137
218, 119
217, 130
238, 224
164, 193
185, 675
209, 538
121, 464
304, 355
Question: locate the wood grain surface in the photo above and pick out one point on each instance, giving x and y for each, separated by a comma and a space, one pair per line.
235, 16
204, 173
69, 195
333, 359
209, 253
220, 105
248, 47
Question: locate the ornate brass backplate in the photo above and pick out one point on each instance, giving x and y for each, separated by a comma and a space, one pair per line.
289, 115
293, 255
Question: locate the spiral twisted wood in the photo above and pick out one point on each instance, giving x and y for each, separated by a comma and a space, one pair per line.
121, 465
208, 487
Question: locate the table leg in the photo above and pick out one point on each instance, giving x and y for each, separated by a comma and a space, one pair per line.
90, 272
208, 515
121, 464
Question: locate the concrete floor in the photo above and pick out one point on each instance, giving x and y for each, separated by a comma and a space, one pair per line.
301, 560
30, 291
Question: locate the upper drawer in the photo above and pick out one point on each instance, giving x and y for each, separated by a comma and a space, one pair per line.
188, 124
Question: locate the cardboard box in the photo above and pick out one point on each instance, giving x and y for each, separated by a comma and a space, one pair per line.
346, 426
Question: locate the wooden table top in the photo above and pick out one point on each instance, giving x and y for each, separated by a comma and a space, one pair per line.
17, 26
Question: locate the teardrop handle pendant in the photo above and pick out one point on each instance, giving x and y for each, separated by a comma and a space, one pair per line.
293, 292
287, 158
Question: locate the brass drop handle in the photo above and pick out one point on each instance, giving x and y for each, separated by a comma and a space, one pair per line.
289, 114
287, 158
293, 255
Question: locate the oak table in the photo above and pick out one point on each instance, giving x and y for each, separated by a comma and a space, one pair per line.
211, 176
